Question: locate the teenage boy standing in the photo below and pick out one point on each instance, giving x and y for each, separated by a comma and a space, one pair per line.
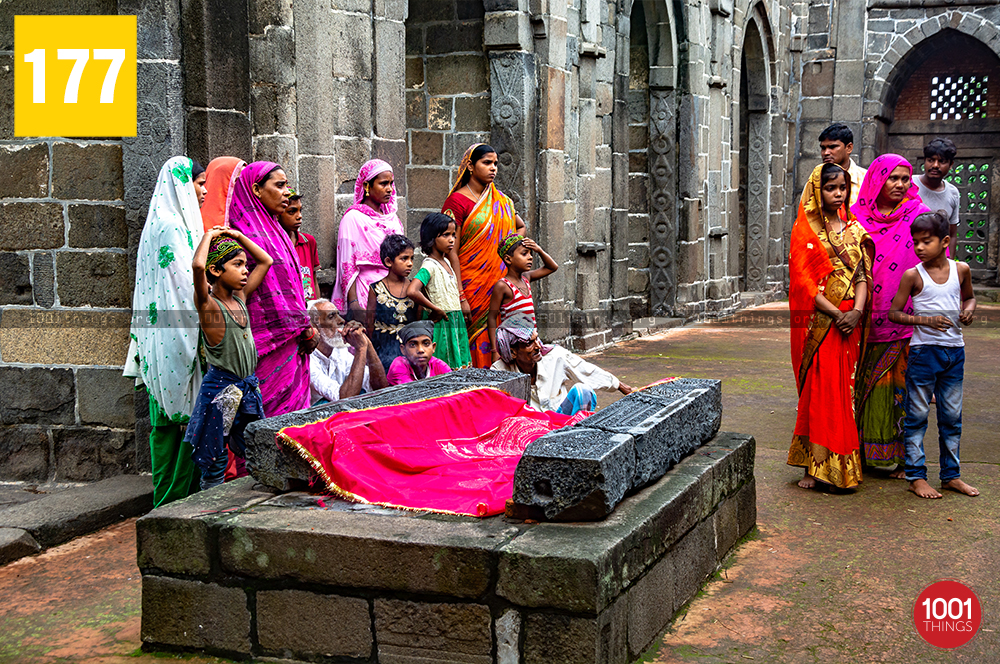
939, 156
836, 143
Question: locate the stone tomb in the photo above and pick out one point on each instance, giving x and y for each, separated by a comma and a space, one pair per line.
249, 570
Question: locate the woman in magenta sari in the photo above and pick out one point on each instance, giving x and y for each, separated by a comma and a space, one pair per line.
887, 204
485, 217
281, 329
365, 224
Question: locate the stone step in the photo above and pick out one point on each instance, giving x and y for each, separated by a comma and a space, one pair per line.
62, 516
581, 473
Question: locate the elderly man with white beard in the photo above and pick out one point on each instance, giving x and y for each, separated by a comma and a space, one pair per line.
344, 363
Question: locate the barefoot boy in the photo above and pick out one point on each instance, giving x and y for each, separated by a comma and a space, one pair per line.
229, 398
942, 298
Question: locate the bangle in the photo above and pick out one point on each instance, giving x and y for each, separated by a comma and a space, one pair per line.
351, 302
462, 298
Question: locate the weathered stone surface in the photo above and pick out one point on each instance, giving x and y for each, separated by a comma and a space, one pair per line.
508, 631
456, 74
358, 550
92, 172
667, 422
560, 639
85, 454
60, 517
39, 336
216, 55
24, 453
104, 397
15, 279
343, 631
16, 543
408, 632
31, 226
427, 148
175, 539
36, 396
650, 605
95, 278
211, 132
576, 474
7, 95
97, 226
43, 279
24, 171
194, 615
274, 466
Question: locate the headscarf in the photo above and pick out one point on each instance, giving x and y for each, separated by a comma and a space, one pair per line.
420, 328
365, 175
894, 253
466, 165
359, 237
222, 248
278, 307
163, 352
220, 176
509, 243
516, 329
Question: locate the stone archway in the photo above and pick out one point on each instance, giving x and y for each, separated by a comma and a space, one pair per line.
755, 172
949, 86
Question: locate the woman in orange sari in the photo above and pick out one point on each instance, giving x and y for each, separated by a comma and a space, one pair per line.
830, 267
485, 216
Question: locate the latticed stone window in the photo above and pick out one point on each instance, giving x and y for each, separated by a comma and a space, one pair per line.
958, 97
972, 177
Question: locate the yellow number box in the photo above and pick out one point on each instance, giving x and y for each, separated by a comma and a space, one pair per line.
74, 76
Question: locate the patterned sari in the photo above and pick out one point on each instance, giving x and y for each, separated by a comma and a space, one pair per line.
825, 440
491, 219
278, 307
220, 182
881, 380
163, 352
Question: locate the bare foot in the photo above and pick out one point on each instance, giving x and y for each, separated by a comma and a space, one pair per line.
808, 482
923, 489
958, 486
898, 474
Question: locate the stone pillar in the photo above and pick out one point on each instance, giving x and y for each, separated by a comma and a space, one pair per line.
389, 135
272, 87
159, 136
618, 240
663, 206
508, 42
217, 78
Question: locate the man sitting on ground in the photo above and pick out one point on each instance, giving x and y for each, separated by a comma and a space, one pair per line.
344, 363
560, 380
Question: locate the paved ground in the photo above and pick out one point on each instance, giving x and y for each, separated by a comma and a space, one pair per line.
827, 577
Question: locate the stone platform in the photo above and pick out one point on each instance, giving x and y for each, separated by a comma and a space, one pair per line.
246, 571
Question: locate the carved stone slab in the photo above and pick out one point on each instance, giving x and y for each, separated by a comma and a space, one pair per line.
277, 467
581, 473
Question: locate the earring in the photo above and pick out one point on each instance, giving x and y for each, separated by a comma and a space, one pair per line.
366, 188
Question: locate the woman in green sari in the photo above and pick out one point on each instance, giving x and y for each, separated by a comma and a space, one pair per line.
485, 216
163, 353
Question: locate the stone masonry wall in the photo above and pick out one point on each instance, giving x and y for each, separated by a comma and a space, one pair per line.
447, 99
65, 409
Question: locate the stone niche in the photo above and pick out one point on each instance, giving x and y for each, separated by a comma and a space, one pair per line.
251, 570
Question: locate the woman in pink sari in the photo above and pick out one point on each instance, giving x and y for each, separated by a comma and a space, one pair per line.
281, 328
887, 204
365, 224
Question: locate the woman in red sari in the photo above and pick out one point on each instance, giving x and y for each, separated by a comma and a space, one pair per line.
830, 267
485, 216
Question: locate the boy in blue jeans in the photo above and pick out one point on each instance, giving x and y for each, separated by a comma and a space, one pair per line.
942, 295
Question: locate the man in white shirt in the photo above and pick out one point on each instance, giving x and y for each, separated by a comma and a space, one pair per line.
345, 362
560, 380
836, 143
939, 155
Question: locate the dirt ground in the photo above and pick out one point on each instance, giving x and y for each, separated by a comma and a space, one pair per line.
824, 578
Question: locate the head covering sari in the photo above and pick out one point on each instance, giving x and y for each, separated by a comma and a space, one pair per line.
880, 386
278, 307
480, 234
359, 237
825, 440
894, 253
220, 178
163, 353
